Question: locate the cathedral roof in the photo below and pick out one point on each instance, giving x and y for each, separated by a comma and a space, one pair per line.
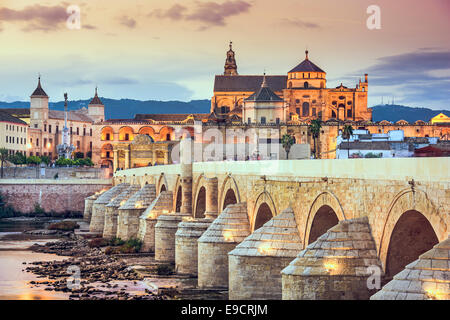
248, 83
96, 100
264, 94
39, 92
306, 66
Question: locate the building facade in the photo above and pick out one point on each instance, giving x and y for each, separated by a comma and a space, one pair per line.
13, 134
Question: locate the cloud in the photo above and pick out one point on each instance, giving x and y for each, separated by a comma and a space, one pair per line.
36, 17
209, 14
418, 77
120, 80
88, 26
300, 23
128, 22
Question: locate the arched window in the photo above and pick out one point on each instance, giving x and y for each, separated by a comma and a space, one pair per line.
306, 85
290, 84
305, 109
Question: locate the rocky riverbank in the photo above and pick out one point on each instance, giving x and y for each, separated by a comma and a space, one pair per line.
100, 276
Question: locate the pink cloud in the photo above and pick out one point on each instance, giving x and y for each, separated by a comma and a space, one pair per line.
37, 17
208, 13
128, 22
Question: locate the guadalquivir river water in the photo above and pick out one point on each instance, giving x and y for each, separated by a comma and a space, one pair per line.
14, 283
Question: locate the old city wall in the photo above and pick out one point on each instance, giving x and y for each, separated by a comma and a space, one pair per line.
51, 195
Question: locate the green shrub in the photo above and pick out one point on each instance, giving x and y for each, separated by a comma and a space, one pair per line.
45, 159
38, 209
64, 226
33, 160
116, 242
164, 269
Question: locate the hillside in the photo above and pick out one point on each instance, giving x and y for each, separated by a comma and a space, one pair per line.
127, 108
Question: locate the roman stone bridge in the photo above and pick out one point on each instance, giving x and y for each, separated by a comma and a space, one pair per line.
272, 229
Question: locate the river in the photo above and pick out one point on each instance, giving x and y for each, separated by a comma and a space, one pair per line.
14, 281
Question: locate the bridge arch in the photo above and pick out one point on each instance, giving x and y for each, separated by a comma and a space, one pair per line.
320, 216
199, 205
177, 195
263, 210
412, 226
229, 193
162, 184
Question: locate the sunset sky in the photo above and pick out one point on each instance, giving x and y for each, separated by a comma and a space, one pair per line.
171, 50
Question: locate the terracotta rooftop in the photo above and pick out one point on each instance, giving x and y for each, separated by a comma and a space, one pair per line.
306, 66
71, 116
96, 100
170, 117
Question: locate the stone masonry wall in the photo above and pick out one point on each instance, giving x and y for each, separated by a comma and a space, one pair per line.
213, 264
56, 197
256, 278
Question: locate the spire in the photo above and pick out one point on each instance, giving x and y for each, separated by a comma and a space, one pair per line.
264, 83
230, 63
96, 100
39, 92
307, 52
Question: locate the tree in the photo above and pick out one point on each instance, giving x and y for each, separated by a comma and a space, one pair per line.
34, 160
45, 159
314, 128
18, 158
347, 132
3, 158
287, 141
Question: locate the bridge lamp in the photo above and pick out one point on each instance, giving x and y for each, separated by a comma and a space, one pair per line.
49, 145
29, 146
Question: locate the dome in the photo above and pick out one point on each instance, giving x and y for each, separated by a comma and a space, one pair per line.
306, 66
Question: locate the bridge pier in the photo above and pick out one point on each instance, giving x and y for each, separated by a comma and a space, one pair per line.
129, 213
88, 204
112, 211
98, 208
427, 278
212, 192
165, 229
186, 245
222, 236
255, 264
163, 204
335, 266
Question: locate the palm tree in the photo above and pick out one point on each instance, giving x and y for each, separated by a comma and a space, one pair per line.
347, 132
314, 128
3, 158
287, 141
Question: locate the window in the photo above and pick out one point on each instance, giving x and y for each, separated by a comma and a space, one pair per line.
35, 125
45, 127
297, 111
50, 128
263, 120
305, 109
78, 145
108, 137
71, 131
90, 145
57, 129
313, 112
333, 114
127, 137
306, 85
37, 142
108, 154
349, 113
78, 131
45, 142
90, 132
84, 131
168, 137
277, 121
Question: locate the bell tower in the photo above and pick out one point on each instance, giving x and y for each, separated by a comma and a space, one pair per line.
38, 107
96, 109
230, 63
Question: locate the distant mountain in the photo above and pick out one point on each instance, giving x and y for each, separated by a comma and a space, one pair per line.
395, 113
127, 108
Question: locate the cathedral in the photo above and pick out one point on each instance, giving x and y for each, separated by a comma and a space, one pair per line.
301, 95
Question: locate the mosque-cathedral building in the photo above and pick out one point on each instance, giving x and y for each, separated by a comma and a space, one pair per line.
284, 103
